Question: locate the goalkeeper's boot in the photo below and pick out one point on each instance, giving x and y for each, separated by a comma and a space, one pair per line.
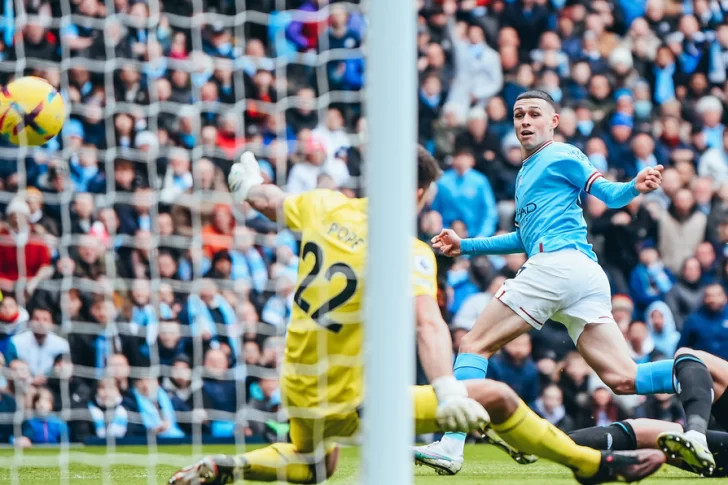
691, 448
436, 457
211, 470
491, 437
625, 466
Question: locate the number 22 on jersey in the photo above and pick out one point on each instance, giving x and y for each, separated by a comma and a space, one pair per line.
319, 315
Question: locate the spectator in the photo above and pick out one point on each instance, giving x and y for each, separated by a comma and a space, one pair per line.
12, 320
604, 411
478, 74
305, 30
18, 233
117, 368
681, 229
39, 345
208, 314
466, 195
574, 383
44, 428
485, 145
664, 407
623, 230
641, 345
515, 367
39, 220
62, 378
277, 310
218, 234
704, 328
219, 392
7, 412
304, 174
663, 331
550, 406
687, 294
181, 384
266, 398
109, 417
650, 280
156, 408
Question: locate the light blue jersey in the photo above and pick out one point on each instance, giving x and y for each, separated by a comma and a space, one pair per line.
549, 216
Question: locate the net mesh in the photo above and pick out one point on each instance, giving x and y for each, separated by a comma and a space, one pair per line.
131, 207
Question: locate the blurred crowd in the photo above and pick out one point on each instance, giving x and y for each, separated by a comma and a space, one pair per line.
138, 301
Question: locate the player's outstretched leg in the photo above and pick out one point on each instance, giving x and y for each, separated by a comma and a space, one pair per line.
278, 462
643, 433
491, 437
695, 390
524, 430
496, 326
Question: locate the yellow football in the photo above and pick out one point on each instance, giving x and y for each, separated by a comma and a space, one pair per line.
32, 112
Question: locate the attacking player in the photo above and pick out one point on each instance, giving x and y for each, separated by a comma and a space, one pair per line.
322, 378
561, 280
649, 433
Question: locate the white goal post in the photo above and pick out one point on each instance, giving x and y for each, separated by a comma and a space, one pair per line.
390, 184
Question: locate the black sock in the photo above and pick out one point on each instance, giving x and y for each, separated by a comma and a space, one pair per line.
616, 436
695, 391
718, 444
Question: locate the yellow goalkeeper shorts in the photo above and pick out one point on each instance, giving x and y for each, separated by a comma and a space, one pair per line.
306, 434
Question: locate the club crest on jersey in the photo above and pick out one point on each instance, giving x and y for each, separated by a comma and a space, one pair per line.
424, 266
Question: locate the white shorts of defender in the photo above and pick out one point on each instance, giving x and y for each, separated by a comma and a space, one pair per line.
566, 286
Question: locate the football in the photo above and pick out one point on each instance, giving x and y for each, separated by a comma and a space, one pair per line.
32, 112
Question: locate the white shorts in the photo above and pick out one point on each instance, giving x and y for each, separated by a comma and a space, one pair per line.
566, 286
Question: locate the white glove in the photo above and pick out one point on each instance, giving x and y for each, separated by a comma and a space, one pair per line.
244, 175
456, 411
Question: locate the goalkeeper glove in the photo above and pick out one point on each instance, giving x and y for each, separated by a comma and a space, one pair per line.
244, 175
456, 411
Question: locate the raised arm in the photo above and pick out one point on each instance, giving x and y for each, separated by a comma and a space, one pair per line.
246, 185
577, 169
617, 194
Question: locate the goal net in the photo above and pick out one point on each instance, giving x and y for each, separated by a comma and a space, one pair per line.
144, 322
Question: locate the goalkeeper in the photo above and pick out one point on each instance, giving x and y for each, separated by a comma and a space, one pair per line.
322, 375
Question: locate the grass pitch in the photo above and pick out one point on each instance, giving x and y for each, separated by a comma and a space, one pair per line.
484, 465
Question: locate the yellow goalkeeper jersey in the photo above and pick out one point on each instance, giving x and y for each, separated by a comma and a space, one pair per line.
322, 369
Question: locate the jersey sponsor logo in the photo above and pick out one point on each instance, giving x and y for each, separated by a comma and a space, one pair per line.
522, 212
424, 265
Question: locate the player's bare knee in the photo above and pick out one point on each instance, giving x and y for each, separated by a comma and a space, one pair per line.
497, 398
687, 351
620, 384
470, 344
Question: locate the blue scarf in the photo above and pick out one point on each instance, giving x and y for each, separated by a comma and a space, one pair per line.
431, 101
157, 69
101, 349
118, 425
664, 84
714, 136
201, 319
82, 175
151, 417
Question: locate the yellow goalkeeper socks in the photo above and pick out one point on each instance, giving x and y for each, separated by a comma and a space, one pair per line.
280, 461
528, 433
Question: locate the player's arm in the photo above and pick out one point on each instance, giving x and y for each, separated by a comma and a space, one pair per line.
246, 184
452, 245
582, 174
434, 343
456, 411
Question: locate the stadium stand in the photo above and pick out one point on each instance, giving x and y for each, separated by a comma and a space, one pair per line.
139, 305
